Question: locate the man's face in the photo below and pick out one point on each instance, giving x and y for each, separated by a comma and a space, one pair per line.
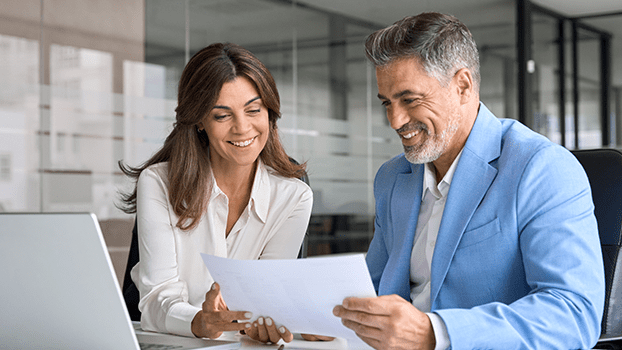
425, 114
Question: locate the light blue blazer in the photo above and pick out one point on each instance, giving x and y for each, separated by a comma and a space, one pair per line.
517, 263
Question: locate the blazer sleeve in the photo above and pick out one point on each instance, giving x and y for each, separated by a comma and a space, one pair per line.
377, 253
562, 261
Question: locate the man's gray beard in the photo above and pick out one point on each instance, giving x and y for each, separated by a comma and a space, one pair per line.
433, 148
422, 156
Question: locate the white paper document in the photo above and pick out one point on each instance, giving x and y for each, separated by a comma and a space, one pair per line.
299, 293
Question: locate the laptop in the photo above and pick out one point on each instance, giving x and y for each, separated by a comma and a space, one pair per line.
59, 289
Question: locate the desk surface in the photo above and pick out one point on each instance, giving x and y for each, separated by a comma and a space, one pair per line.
297, 344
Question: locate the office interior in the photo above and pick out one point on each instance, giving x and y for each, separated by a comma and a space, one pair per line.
86, 83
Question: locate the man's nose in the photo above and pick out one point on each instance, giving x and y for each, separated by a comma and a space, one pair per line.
397, 117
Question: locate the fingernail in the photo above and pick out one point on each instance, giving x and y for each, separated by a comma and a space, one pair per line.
214, 286
260, 320
248, 315
248, 325
269, 321
282, 330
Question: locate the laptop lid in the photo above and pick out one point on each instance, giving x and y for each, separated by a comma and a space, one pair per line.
59, 287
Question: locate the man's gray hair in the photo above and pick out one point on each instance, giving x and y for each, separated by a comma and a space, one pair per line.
441, 43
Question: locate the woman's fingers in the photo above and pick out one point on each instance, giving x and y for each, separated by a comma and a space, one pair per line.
263, 332
266, 331
213, 299
273, 334
215, 318
286, 335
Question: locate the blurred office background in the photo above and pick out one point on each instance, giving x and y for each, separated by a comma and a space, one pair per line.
86, 83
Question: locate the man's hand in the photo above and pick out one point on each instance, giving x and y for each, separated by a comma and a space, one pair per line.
216, 318
387, 322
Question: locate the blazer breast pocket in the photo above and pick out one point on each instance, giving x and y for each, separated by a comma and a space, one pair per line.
480, 234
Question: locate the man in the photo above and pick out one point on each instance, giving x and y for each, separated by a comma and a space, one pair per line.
485, 235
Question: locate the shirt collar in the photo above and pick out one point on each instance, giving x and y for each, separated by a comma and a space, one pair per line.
259, 202
429, 179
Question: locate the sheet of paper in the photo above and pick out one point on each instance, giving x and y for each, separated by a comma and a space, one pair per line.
299, 293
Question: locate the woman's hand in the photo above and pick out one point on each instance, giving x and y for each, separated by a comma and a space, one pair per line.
264, 330
315, 337
216, 318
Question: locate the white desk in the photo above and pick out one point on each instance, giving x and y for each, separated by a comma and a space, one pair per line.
297, 344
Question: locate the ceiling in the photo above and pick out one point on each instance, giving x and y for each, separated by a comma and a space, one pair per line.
471, 12
378, 11
245, 21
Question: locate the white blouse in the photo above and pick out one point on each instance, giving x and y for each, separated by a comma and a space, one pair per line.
171, 276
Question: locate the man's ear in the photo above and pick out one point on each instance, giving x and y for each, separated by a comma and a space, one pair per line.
464, 83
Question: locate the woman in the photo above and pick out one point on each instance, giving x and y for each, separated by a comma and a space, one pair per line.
222, 184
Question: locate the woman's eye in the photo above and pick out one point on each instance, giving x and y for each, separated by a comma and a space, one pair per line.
220, 116
254, 111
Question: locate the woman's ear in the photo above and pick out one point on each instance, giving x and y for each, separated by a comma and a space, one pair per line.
465, 85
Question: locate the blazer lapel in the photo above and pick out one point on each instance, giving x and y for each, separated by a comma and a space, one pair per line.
405, 203
471, 181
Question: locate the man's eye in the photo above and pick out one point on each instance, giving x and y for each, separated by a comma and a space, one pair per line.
385, 103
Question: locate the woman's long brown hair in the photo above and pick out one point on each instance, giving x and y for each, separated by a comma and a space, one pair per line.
186, 150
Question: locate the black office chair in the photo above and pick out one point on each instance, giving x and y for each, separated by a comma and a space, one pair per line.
130, 291
604, 170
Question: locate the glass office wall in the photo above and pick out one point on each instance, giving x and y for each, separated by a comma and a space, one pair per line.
330, 116
544, 73
88, 83
569, 72
611, 24
497, 50
588, 67
19, 123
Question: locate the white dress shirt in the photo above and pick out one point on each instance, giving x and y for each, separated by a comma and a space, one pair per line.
428, 223
171, 276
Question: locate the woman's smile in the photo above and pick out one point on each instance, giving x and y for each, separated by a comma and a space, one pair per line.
243, 143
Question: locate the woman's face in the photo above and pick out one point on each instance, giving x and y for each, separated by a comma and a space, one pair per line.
237, 126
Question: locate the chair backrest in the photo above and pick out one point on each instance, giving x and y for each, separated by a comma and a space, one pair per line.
130, 291
604, 170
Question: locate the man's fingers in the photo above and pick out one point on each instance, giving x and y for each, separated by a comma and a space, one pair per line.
363, 329
357, 316
375, 306
374, 343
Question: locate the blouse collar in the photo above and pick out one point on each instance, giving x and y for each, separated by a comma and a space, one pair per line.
259, 202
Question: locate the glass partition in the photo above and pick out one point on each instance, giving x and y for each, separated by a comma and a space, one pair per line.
589, 49
84, 89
